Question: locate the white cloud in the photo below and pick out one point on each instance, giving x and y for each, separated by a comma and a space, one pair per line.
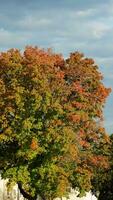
9, 39
84, 13
108, 8
99, 29
34, 22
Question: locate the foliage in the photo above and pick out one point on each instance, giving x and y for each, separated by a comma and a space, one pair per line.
50, 135
104, 178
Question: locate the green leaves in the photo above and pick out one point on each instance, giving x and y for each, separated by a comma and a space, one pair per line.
49, 110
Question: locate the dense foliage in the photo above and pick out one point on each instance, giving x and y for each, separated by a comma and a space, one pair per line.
51, 137
104, 178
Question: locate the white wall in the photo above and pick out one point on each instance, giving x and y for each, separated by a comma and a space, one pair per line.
6, 195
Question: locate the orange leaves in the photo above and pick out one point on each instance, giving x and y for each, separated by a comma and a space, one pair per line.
42, 57
60, 75
76, 56
58, 61
78, 117
75, 118
84, 143
34, 144
58, 122
101, 93
78, 105
81, 133
100, 161
94, 160
88, 61
78, 87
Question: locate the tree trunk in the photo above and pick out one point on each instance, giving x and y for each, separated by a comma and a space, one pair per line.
25, 194
43, 198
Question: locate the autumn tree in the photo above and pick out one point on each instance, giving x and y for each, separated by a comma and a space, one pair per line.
50, 130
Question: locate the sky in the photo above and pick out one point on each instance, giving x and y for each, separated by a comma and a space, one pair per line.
65, 26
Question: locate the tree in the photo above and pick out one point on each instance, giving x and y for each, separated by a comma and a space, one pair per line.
50, 110
104, 178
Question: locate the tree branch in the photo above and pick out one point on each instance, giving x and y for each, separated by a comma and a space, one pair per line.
25, 194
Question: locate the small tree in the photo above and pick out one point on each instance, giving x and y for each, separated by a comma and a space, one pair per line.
50, 112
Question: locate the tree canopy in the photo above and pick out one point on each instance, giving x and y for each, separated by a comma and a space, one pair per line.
51, 138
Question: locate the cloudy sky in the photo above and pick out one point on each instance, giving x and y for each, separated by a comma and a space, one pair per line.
65, 26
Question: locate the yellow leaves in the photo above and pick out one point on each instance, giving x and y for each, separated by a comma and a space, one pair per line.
8, 131
27, 124
106, 138
74, 152
68, 107
84, 178
20, 89
68, 134
63, 183
9, 109
3, 138
3, 119
62, 186
57, 106
18, 100
54, 124
2, 87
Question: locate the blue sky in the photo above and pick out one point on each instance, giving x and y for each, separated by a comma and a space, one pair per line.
65, 26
